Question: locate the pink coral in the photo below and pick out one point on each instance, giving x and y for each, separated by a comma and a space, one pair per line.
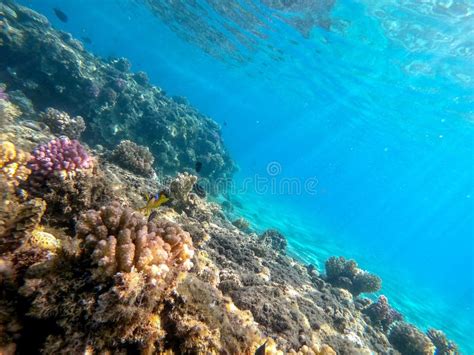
61, 156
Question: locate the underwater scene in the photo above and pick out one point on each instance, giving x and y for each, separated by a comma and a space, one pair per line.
237, 177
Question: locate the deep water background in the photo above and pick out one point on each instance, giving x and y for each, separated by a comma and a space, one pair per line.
376, 112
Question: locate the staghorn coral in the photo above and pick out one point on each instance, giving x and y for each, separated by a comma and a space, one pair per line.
443, 345
134, 157
13, 164
113, 287
407, 339
345, 274
381, 314
275, 239
62, 124
60, 157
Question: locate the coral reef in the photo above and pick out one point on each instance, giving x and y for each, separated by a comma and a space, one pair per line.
82, 274
275, 239
116, 104
381, 314
443, 345
13, 164
62, 124
409, 340
345, 274
134, 157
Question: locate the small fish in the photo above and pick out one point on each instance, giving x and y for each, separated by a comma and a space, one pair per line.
86, 40
261, 349
60, 15
198, 166
225, 123
153, 202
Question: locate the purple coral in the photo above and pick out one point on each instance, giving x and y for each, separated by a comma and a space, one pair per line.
382, 314
61, 156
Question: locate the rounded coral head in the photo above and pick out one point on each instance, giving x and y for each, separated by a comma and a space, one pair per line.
61, 156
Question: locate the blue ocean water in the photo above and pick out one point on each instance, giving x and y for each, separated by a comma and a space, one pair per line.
351, 123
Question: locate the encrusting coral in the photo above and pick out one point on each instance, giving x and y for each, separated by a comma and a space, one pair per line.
134, 157
346, 274
61, 123
109, 293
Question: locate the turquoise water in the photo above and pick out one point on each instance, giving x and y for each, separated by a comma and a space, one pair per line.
351, 123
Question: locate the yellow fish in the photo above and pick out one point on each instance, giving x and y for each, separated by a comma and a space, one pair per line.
153, 202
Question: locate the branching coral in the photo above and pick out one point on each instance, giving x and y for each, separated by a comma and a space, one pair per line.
13, 164
381, 314
134, 157
59, 157
64, 175
345, 274
122, 240
62, 124
407, 339
108, 295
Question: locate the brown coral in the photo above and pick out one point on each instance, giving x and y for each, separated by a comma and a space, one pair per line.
13, 163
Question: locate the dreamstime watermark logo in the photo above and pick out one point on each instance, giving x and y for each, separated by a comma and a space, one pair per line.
274, 168
272, 182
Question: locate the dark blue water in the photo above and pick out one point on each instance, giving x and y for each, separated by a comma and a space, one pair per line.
353, 129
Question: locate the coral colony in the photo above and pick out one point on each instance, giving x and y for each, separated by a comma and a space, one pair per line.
89, 265
60, 156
